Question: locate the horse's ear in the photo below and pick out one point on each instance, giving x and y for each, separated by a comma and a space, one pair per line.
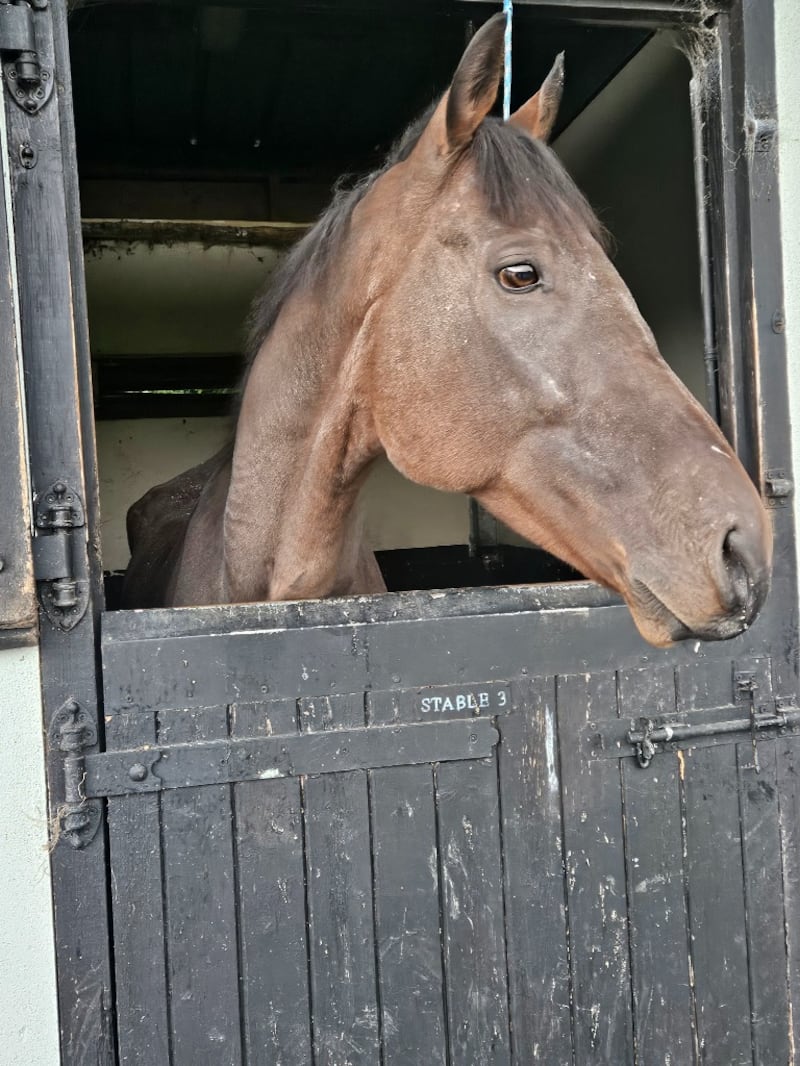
472, 91
538, 116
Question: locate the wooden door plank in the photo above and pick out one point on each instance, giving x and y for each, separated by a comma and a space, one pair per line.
143, 1035
532, 837
662, 993
344, 992
407, 887
268, 819
788, 782
717, 917
595, 870
471, 873
715, 879
766, 934
200, 908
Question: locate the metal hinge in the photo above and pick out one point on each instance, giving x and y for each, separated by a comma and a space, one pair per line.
71, 732
748, 716
63, 593
229, 761
27, 82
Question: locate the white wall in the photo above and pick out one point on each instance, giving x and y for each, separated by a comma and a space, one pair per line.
787, 34
28, 1014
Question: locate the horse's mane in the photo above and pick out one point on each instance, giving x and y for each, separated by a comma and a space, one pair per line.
517, 174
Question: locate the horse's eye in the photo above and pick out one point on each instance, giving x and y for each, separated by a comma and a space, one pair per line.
519, 277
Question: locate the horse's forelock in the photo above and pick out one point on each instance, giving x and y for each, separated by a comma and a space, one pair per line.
519, 175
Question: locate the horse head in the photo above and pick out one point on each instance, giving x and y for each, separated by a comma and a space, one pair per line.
502, 355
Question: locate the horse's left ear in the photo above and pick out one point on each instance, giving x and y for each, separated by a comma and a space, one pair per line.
538, 116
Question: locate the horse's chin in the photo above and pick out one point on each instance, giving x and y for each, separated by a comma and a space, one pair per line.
661, 627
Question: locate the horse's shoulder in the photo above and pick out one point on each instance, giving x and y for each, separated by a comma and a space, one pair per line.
157, 525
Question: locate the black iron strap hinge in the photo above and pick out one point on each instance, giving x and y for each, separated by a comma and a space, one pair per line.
59, 555
229, 761
747, 717
27, 82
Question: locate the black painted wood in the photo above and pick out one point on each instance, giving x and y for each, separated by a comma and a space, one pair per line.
715, 880
18, 614
788, 790
470, 870
200, 908
137, 894
659, 935
595, 875
344, 987
407, 891
533, 866
273, 943
58, 402
766, 934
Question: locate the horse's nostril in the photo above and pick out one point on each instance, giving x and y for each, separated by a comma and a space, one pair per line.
739, 586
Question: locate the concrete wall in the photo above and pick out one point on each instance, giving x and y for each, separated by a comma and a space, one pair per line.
28, 1012
787, 35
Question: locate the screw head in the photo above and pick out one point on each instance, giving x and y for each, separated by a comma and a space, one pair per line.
137, 772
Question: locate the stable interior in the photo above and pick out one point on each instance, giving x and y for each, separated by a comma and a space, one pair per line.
208, 139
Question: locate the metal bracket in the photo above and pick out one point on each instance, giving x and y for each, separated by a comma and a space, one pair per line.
778, 487
63, 594
27, 82
228, 761
72, 730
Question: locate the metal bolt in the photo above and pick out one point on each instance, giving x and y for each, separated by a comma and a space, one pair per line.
473, 738
779, 321
137, 772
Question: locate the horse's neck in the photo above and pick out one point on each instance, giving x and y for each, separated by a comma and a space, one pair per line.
303, 445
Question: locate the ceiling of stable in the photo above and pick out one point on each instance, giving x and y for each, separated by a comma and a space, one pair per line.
242, 91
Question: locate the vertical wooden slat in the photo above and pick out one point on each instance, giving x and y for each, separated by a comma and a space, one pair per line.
716, 894
472, 912
137, 908
532, 836
715, 878
340, 906
766, 936
200, 907
271, 896
595, 869
662, 995
406, 889
788, 783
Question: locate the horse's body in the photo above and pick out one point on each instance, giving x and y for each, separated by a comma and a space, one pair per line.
457, 312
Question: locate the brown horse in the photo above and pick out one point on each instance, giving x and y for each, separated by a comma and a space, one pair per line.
457, 312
